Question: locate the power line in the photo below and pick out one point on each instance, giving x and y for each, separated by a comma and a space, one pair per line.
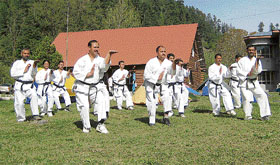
253, 15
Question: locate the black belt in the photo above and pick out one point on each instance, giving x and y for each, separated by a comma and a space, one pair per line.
180, 83
173, 86
57, 86
44, 84
160, 89
92, 85
233, 80
89, 84
120, 85
25, 82
252, 81
217, 85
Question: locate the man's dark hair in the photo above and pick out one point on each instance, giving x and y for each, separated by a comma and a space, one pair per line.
218, 54
46, 61
92, 41
121, 62
160, 46
249, 45
60, 62
169, 55
178, 60
238, 56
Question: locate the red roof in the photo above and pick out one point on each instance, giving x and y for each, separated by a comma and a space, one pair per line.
135, 45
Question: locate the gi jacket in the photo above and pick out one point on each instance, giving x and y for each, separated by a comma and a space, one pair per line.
245, 65
217, 78
153, 69
83, 67
17, 70
118, 74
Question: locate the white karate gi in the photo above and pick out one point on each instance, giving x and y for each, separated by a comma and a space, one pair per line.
181, 92
250, 83
234, 84
171, 80
104, 91
59, 88
120, 88
45, 90
153, 86
88, 90
24, 88
217, 87
110, 84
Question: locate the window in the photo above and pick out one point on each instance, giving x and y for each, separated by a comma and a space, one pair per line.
266, 77
264, 51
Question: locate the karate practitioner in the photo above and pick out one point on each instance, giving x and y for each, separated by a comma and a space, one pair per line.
88, 71
171, 85
155, 83
234, 83
59, 80
24, 71
120, 88
181, 92
217, 87
248, 69
45, 89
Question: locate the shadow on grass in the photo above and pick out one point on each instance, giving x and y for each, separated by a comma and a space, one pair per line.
222, 114
146, 120
202, 111
225, 115
114, 107
28, 118
141, 105
160, 113
79, 124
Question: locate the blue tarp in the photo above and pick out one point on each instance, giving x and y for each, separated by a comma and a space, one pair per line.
205, 91
193, 91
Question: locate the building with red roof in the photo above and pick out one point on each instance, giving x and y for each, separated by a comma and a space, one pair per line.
137, 45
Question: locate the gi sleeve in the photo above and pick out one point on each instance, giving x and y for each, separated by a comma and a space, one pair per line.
241, 72
16, 70
149, 75
80, 71
40, 76
170, 69
226, 71
34, 71
213, 75
115, 76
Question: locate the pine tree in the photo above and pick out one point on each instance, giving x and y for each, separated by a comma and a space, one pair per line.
277, 25
261, 25
271, 27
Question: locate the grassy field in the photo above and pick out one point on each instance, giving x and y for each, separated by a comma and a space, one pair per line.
199, 138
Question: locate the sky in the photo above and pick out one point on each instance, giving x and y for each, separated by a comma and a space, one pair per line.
242, 14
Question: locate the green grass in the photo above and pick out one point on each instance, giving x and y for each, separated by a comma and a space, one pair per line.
199, 138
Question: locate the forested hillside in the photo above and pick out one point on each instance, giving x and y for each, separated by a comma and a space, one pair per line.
35, 23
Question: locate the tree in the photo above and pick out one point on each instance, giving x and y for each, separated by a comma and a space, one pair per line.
261, 25
122, 15
5, 74
46, 51
277, 25
231, 44
271, 27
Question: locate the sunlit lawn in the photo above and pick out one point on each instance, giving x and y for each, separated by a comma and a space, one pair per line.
199, 138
